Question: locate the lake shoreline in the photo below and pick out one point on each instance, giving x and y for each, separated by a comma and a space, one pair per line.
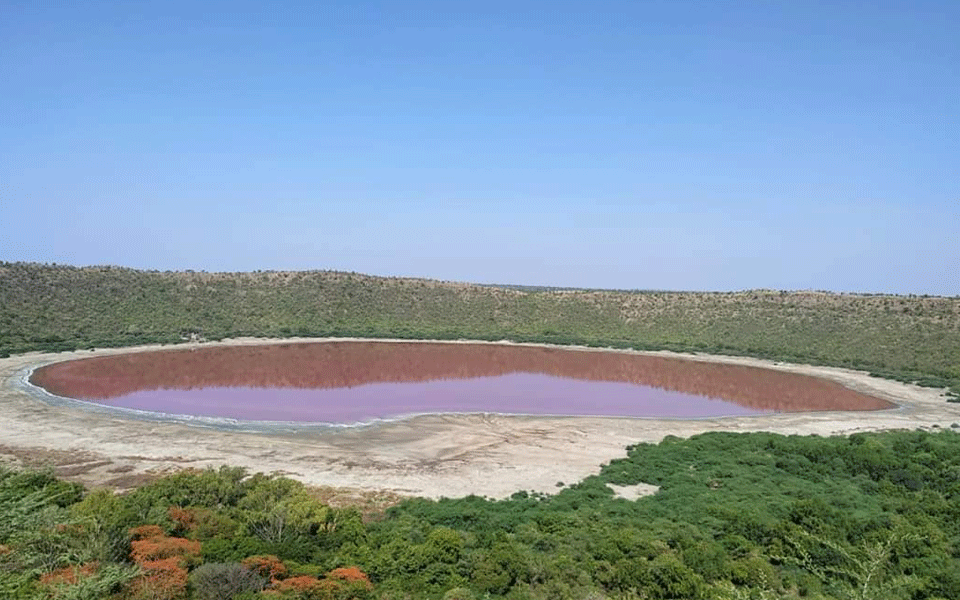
428, 455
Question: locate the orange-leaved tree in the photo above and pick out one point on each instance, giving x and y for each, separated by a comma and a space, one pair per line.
350, 575
184, 518
266, 565
346, 583
164, 562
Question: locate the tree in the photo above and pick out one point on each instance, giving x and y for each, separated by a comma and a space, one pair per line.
278, 509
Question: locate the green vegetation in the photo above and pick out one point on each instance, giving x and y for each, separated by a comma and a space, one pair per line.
58, 308
737, 516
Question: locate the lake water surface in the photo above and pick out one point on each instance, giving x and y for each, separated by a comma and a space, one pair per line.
353, 382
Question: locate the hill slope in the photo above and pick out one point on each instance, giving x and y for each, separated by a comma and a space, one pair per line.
48, 307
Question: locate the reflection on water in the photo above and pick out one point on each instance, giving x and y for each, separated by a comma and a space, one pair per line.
355, 381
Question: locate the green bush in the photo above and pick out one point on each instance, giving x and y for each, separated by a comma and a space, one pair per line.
224, 581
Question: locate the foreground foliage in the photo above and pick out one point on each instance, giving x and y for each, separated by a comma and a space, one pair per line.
736, 516
65, 308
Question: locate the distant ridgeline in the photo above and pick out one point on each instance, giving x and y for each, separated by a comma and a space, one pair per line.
55, 308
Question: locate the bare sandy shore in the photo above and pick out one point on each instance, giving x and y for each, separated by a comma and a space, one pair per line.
433, 456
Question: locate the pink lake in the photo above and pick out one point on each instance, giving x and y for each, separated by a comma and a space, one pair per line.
355, 382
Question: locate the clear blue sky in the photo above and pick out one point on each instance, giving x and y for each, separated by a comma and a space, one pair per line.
673, 145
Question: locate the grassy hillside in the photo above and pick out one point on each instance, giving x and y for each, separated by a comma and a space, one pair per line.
46, 307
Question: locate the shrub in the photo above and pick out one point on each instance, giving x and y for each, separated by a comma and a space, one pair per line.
91, 581
68, 575
225, 581
184, 519
267, 565
209, 523
162, 579
459, 593
303, 587
349, 574
145, 532
159, 548
349, 583
341, 584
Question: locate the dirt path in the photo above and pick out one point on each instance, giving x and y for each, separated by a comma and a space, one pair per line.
433, 456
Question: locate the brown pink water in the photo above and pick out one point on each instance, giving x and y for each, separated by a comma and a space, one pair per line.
351, 382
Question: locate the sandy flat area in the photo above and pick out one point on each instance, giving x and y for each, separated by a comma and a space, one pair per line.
432, 456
